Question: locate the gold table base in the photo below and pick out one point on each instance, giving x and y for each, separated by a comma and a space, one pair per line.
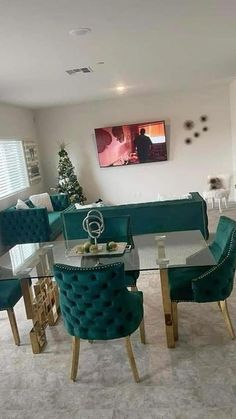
42, 306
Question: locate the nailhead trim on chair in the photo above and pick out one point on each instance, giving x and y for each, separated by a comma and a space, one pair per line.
97, 268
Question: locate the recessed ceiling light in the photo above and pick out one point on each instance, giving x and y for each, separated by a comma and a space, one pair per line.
120, 88
100, 62
79, 31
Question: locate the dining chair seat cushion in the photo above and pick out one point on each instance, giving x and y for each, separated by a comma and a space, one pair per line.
180, 282
131, 278
95, 302
10, 293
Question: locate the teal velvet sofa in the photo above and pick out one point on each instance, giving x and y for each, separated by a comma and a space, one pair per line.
34, 224
148, 217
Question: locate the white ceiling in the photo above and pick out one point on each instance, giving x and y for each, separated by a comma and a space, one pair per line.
147, 45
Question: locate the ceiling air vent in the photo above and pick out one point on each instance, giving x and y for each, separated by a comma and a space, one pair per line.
79, 70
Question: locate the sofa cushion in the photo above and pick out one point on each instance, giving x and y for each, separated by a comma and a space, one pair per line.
42, 201
21, 204
79, 206
92, 205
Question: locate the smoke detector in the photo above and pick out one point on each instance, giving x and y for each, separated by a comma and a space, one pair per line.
79, 70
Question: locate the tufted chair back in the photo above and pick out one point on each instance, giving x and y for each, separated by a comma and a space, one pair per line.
216, 284
60, 201
219, 247
117, 228
24, 226
95, 303
10, 294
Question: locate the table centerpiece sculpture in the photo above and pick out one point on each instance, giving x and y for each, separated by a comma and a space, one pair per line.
93, 224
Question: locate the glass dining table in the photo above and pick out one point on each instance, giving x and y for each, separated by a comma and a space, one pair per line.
32, 262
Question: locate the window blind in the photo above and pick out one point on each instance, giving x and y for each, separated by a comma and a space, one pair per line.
13, 171
20, 254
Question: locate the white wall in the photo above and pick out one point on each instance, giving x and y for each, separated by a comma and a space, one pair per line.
17, 123
187, 167
233, 128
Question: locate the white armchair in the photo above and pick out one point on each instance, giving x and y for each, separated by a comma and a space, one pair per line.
218, 190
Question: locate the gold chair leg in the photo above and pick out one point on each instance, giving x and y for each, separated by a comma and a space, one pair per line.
14, 328
134, 288
131, 359
142, 332
174, 309
75, 357
218, 302
225, 312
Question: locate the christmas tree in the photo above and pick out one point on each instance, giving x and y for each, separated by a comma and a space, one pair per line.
67, 180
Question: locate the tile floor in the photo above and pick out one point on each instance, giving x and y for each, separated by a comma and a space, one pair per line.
197, 380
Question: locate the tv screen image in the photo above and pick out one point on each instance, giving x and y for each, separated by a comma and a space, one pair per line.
131, 144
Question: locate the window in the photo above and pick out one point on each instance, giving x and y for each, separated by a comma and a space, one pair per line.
20, 255
13, 171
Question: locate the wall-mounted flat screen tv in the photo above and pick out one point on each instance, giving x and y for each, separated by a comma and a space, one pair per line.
131, 144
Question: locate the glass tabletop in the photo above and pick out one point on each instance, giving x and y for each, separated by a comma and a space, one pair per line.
150, 252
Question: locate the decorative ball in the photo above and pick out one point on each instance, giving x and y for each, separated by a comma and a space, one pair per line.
86, 246
196, 134
93, 248
111, 246
205, 128
203, 118
188, 140
80, 249
188, 124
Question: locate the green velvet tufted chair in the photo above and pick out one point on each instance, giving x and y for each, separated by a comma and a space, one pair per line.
10, 294
118, 228
208, 284
96, 305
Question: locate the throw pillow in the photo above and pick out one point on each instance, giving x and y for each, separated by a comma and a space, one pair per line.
100, 203
215, 183
79, 206
42, 201
92, 205
21, 204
